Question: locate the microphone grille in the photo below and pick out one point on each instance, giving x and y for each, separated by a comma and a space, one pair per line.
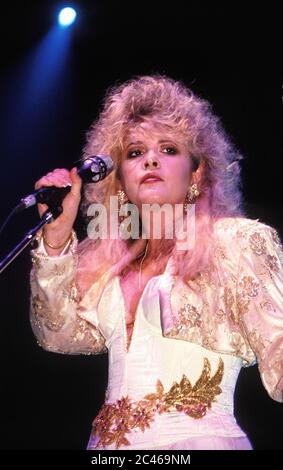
95, 168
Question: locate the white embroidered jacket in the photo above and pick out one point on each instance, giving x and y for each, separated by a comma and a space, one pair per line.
236, 308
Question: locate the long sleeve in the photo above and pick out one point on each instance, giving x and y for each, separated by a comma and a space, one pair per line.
57, 318
259, 299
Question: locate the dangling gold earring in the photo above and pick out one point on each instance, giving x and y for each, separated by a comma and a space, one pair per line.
122, 199
193, 193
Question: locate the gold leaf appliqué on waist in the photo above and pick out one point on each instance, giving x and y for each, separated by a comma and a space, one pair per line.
117, 419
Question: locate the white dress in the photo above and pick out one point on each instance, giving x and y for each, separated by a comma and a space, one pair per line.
152, 358
173, 388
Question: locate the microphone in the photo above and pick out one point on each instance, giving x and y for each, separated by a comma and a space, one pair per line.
91, 170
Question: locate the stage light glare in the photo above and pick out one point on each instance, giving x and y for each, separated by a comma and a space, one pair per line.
67, 16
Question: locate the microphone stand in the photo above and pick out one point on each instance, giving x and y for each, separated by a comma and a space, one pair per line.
51, 214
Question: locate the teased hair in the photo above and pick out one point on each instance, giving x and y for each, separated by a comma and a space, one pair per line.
177, 109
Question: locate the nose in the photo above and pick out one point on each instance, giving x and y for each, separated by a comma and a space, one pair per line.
151, 162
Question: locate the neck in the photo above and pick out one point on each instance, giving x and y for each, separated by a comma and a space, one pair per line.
155, 256
162, 223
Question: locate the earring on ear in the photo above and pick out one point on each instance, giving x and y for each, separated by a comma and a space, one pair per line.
193, 193
122, 199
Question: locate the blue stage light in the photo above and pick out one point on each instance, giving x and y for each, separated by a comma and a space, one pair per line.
67, 16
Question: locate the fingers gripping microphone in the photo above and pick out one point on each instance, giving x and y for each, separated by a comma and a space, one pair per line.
91, 170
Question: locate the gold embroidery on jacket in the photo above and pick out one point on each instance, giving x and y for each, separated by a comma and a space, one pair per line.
272, 263
242, 304
58, 270
275, 237
70, 292
52, 320
89, 335
117, 419
229, 303
36, 262
267, 305
258, 342
257, 243
188, 315
249, 286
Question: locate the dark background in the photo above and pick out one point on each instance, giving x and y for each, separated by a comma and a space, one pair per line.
226, 54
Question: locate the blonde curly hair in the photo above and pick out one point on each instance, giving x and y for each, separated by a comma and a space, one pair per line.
176, 109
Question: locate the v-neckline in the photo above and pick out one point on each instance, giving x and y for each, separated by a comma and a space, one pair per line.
127, 341
128, 344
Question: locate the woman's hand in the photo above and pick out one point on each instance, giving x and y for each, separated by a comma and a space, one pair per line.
58, 231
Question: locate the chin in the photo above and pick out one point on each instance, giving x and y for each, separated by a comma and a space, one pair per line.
154, 200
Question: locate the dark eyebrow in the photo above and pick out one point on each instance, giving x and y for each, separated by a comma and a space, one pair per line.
138, 142
162, 141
